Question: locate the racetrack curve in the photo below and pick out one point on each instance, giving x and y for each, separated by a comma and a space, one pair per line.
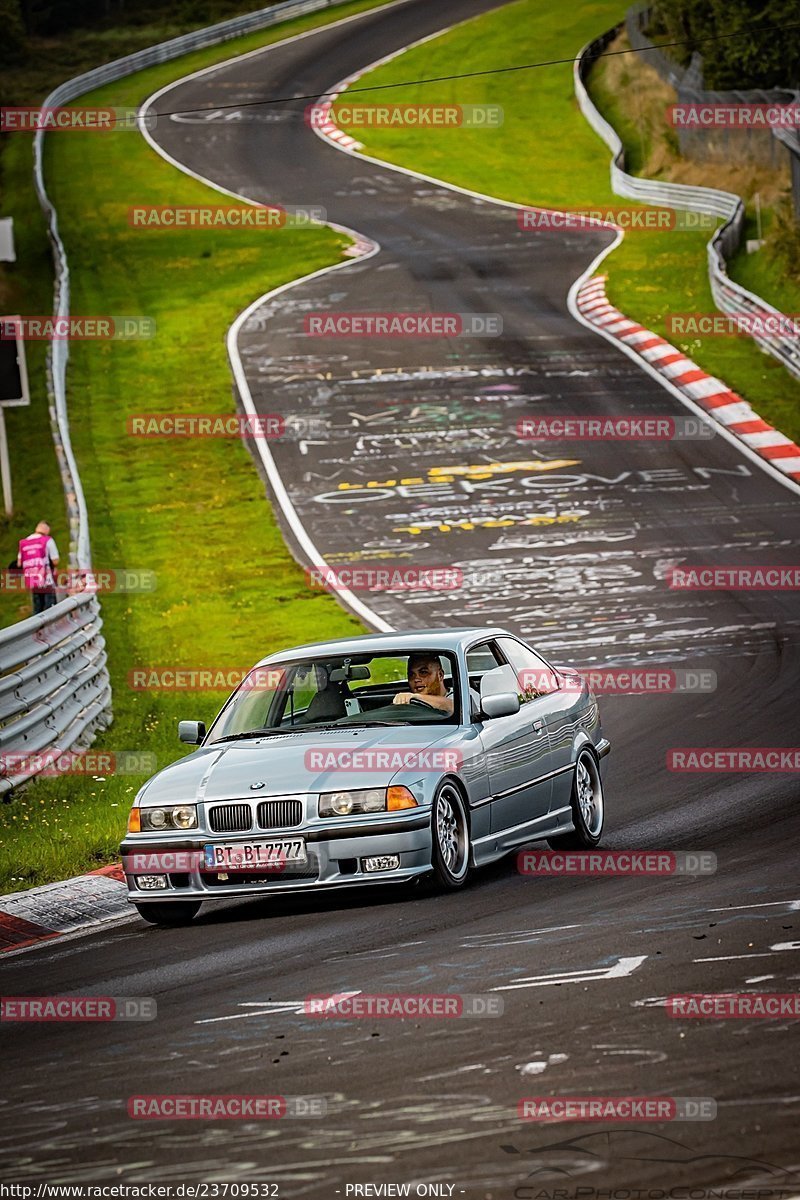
419, 1101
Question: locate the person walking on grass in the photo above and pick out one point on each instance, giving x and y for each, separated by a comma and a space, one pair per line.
37, 557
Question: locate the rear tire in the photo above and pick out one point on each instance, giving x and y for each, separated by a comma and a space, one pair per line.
179, 912
587, 807
450, 834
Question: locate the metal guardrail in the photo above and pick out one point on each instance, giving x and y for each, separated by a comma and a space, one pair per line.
54, 688
729, 297
55, 691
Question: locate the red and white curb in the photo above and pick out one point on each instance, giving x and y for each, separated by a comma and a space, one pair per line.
325, 124
48, 912
725, 406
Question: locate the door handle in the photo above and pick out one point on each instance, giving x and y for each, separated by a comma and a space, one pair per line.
538, 725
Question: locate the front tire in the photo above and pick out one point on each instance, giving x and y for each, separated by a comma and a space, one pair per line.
587, 805
179, 912
450, 833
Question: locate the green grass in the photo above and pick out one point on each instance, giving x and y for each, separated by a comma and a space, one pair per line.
545, 153
193, 511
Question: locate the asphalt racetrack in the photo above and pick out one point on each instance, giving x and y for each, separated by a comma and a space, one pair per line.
569, 545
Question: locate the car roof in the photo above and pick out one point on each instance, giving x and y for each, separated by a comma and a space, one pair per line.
445, 638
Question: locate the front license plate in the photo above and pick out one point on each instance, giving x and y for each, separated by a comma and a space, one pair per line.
252, 856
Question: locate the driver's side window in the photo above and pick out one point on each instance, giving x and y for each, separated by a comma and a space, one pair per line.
481, 659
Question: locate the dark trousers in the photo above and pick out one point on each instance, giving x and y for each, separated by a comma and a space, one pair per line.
43, 601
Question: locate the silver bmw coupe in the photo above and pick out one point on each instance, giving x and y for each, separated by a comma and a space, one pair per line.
369, 760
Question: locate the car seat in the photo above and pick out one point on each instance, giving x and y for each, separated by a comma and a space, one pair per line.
328, 705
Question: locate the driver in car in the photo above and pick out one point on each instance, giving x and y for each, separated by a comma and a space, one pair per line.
426, 684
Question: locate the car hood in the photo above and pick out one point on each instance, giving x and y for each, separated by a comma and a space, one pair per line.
288, 764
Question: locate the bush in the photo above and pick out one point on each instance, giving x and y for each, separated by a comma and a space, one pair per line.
750, 60
13, 46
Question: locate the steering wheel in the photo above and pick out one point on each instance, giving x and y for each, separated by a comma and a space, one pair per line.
424, 703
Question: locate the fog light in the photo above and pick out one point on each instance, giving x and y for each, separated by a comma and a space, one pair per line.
382, 862
151, 883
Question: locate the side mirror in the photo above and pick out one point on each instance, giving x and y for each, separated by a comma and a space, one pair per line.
191, 732
501, 704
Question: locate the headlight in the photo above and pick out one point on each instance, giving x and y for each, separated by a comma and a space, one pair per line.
342, 804
182, 816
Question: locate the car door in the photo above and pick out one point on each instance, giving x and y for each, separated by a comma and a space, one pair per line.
554, 703
517, 753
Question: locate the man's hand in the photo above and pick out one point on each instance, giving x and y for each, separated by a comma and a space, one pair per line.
443, 703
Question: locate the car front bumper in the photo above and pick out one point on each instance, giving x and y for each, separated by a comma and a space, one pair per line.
335, 859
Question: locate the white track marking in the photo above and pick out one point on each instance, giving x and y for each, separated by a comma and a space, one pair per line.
734, 957
775, 948
621, 968
266, 1008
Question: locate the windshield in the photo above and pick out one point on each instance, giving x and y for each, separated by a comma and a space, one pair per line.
416, 688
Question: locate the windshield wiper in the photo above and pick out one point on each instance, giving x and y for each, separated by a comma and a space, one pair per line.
369, 724
251, 733
346, 723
